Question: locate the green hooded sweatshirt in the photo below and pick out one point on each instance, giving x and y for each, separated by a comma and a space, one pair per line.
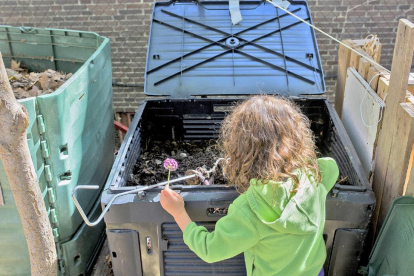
279, 231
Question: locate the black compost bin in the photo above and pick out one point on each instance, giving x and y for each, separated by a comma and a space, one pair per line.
202, 65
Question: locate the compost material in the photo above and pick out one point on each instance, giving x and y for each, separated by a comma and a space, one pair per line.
26, 85
149, 168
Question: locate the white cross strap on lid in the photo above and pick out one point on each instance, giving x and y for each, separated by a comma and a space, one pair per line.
234, 8
283, 3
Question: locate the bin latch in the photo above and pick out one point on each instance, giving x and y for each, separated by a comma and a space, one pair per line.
27, 29
149, 245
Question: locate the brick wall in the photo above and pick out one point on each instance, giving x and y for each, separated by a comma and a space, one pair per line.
126, 23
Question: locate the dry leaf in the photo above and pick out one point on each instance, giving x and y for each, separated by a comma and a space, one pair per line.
44, 81
20, 93
33, 84
35, 91
15, 65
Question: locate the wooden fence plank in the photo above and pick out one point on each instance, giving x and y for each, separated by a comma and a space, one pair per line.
409, 178
399, 160
344, 56
395, 128
382, 89
372, 78
411, 83
348, 58
354, 60
363, 68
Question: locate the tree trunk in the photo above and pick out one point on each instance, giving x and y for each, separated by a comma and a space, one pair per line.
17, 162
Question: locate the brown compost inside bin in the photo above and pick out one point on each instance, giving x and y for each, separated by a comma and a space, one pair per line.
26, 84
187, 130
149, 168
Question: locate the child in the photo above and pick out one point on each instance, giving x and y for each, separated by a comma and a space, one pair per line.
278, 219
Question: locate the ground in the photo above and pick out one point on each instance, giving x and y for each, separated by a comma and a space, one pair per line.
102, 266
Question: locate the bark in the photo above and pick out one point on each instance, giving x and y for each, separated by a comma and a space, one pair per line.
17, 162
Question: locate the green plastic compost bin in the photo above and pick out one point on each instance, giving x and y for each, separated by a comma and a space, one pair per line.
393, 251
71, 141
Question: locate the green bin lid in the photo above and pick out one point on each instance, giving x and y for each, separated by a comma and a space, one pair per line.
393, 252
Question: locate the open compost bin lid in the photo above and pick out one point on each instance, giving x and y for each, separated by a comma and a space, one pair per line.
394, 249
195, 50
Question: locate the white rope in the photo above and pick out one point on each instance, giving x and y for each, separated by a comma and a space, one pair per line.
362, 101
328, 35
353, 50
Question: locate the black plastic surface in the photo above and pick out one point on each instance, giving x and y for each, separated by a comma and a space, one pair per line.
348, 206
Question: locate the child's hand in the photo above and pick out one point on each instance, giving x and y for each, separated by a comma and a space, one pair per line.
172, 202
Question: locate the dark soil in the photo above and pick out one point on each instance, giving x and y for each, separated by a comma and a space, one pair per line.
149, 168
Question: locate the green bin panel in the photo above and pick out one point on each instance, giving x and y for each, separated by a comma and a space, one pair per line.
394, 249
79, 133
76, 254
80, 120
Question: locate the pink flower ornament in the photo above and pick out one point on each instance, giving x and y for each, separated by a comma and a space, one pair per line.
170, 164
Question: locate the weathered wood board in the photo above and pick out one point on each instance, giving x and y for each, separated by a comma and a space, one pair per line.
397, 134
373, 77
363, 68
344, 57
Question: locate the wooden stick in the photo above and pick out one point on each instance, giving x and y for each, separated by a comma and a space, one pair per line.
397, 129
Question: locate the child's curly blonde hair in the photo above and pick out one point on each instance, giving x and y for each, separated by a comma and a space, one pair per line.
267, 138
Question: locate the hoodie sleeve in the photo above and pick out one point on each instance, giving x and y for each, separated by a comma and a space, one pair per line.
233, 234
329, 172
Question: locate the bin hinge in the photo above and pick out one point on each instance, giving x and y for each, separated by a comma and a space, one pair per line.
48, 173
56, 234
52, 196
41, 124
61, 261
53, 215
61, 264
51, 192
45, 149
